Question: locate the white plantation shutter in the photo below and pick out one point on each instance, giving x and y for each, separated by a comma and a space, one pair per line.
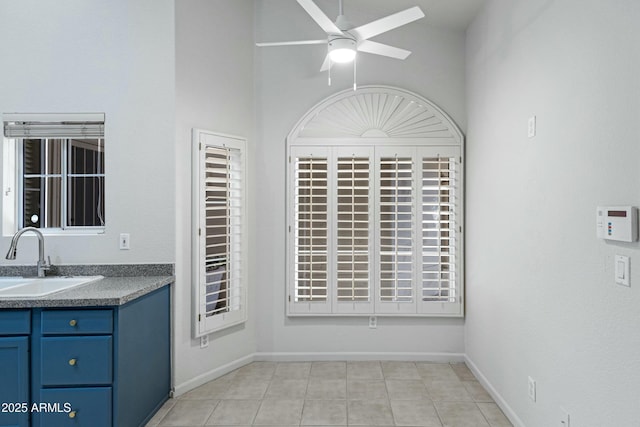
311, 254
219, 197
396, 229
375, 230
441, 212
353, 240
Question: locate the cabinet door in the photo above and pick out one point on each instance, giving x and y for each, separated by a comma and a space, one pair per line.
14, 390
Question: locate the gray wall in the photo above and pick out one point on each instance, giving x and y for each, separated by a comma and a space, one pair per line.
214, 91
115, 57
288, 85
541, 297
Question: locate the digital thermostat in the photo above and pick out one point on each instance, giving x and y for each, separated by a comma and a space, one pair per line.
617, 223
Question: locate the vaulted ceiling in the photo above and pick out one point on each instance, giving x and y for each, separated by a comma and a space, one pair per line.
456, 14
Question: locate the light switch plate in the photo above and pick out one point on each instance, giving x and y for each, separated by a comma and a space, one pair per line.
622, 270
531, 127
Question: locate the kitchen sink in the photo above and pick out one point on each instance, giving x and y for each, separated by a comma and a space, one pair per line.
31, 287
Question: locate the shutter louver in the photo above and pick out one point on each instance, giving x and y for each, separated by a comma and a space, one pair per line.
353, 206
396, 206
440, 204
311, 229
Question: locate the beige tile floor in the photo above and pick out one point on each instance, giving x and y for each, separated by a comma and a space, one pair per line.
337, 394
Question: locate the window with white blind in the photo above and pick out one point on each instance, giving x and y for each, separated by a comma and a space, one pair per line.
54, 175
375, 229
219, 231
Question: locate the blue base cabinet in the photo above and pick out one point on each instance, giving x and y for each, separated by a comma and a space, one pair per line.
94, 367
15, 326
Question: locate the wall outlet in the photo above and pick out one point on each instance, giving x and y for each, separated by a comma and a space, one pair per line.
531, 128
373, 322
532, 389
564, 418
204, 341
125, 241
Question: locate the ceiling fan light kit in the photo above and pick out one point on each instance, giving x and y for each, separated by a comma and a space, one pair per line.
342, 49
344, 42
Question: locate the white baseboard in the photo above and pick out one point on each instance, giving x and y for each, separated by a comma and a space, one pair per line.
211, 375
354, 356
508, 412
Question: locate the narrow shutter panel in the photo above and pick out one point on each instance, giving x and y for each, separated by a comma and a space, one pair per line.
353, 229
440, 211
223, 218
311, 255
354, 215
222, 291
396, 212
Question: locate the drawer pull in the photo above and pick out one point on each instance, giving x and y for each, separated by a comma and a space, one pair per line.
72, 362
73, 322
72, 414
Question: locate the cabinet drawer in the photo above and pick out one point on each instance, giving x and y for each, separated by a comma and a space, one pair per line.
15, 322
85, 407
76, 360
77, 322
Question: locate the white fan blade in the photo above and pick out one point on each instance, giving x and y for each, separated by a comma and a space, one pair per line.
387, 23
318, 15
295, 43
382, 49
325, 64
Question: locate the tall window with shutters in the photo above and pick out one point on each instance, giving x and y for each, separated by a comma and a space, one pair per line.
374, 229
219, 231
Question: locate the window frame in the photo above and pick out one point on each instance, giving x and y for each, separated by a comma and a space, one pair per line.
418, 150
65, 126
237, 250
64, 183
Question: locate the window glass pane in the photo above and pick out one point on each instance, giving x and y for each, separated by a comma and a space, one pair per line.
85, 204
42, 156
31, 156
86, 156
41, 202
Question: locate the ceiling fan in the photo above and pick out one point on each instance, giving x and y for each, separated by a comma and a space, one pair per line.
343, 41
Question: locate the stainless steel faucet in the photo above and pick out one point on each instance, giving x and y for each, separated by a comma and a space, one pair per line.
42, 264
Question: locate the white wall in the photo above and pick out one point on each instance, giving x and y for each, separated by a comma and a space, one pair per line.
114, 57
214, 91
288, 85
541, 298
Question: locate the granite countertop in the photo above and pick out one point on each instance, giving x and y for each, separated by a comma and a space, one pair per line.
109, 291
